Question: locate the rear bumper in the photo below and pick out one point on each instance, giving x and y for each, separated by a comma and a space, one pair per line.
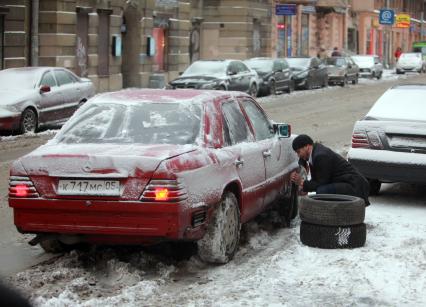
389, 166
109, 221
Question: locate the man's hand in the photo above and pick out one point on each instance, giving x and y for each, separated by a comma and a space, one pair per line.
296, 178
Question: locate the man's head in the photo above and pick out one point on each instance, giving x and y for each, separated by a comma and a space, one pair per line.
302, 145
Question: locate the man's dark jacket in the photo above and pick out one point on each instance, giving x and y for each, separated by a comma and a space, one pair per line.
329, 167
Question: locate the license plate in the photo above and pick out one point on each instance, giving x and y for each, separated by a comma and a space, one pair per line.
89, 187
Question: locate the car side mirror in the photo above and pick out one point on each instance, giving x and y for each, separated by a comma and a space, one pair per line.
283, 130
44, 89
180, 73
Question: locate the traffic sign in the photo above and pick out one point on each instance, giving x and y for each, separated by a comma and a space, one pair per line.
285, 9
386, 17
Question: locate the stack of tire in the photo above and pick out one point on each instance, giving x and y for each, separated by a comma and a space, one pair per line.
332, 221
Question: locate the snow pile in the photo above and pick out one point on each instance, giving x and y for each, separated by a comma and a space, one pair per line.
271, 267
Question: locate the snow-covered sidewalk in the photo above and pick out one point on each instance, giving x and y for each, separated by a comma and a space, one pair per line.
272, 268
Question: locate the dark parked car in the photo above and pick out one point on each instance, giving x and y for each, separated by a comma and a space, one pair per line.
275, 74
389, 143
341, 70
143, 166
37, 96
226, 75
308, 72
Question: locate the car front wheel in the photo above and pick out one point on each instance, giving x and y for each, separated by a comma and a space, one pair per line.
28, 121
220, 242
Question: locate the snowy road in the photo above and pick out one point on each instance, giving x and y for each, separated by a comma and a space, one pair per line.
272, 267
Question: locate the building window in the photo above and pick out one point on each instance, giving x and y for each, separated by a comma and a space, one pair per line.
103, 42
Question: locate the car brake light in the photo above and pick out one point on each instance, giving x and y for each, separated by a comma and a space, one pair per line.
22, 187
163, 190
359, 139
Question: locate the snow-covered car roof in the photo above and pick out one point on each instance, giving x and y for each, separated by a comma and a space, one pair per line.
402, 102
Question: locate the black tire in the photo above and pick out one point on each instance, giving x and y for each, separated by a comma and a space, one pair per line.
332, 209
28, 121
288, 205
290, 87
355, 81
53, 246
272, 88
374, 186
379, 76
344, 82
221, 240
333, 237
253, 90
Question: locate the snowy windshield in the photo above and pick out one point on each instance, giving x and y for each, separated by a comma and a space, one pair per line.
145, 123
298, 62
363, 60
262, 65
405, 103
205, 68
336, 62
18, 79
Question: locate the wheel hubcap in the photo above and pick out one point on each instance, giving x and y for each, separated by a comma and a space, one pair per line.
29, 122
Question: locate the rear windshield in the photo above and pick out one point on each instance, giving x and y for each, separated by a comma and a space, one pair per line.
406, 103
144, 123
336, 61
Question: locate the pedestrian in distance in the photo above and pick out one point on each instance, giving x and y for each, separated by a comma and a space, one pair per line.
397, 53
336, 52
330, 172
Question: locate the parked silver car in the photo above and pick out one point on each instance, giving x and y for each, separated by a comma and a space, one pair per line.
37, 96
370, 66
341, 70
389, 143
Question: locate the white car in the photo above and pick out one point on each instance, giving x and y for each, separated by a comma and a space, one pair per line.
389, 143
411, 61
369, 66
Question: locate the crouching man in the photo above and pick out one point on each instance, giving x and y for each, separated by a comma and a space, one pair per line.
330, 172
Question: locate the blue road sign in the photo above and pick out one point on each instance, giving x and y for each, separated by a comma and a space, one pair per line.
285, 9
386, 17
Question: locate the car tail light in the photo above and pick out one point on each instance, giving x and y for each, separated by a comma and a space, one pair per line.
164, 191
22, 187
360, 139
363, 139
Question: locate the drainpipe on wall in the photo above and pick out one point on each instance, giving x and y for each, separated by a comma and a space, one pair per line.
35, 9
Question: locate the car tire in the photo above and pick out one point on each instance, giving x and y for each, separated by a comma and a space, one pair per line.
333, 237
355, 81
272, 88
222, 88
288, 205
332, 209
53, 246
28, 121
222, 237
379, 76
375, 186
344, 82
253, 90
291, 87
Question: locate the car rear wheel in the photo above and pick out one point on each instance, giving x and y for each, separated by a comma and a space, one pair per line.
375, 186
272, 88
220, 242
28, 121
253, 90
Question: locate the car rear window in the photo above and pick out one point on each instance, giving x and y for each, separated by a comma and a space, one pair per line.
144, 123
400, 104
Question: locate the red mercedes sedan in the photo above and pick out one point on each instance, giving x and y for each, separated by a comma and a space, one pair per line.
143, 166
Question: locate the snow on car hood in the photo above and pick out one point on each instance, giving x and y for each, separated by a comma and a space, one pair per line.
14, 96
105, 160
196, 79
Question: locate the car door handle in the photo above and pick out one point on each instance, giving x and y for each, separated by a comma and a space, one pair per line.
267, 153
239, 162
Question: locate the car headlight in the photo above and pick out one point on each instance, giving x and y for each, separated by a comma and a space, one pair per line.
210, 85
